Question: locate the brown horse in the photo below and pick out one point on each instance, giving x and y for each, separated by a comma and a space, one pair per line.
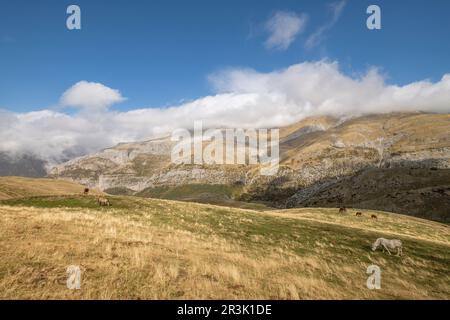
373, 216
86, 191
358, 214
342, 209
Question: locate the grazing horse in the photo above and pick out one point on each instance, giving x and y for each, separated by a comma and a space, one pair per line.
342, 209
358, 214
388, 244
86, 191
374, 216
103, 201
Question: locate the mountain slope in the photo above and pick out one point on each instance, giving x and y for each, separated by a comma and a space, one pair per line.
423, 193
22, 165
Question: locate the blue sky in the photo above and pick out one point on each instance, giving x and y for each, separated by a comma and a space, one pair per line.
159, 53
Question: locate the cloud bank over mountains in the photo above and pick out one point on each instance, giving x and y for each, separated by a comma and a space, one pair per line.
243, 98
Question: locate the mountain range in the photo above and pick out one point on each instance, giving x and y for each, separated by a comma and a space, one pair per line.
397, 162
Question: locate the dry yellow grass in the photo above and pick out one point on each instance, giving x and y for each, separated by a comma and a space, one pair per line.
387, 222
158, 249
18, 187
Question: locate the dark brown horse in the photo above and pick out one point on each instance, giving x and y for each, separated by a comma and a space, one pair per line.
342, 209
358, 214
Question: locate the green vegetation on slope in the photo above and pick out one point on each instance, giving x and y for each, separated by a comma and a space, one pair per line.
217, 194
188, 191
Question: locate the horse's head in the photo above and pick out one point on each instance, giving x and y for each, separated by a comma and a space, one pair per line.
375, 245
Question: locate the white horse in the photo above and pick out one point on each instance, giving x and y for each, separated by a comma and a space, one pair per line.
388, 244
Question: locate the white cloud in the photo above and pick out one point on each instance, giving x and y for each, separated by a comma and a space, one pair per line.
244, 98
283, 27
336, 9
90, 95
319, 88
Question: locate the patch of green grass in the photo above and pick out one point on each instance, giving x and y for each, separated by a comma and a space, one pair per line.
191, 191
119, 191
68, 201
216, 194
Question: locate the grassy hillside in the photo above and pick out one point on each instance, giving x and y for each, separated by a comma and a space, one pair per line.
158, 249
18, 187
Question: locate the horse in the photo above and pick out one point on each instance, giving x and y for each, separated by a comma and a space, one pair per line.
388, 244
373, 216
358, 214
86, 191
103, 201
342, 209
